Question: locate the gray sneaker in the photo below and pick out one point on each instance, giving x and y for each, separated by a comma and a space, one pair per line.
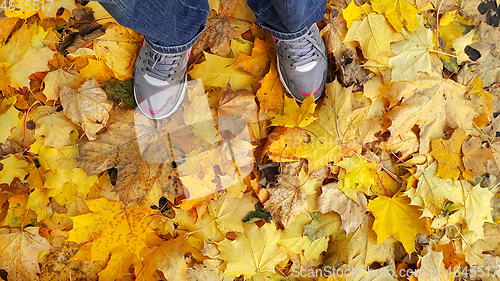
159, 81
302, 64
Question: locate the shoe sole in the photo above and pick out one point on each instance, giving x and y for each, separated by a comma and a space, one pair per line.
176, 107
286, 87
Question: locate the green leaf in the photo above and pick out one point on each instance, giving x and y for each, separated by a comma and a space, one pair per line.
257, 215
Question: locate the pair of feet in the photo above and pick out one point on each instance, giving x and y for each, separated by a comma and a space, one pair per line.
160, 77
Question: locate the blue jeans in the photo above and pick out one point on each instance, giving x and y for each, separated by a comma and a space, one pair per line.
174, 25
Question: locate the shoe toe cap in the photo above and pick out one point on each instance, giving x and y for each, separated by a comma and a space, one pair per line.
311, 84
157, 103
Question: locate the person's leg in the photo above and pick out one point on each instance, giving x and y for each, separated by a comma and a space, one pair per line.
168, 26
301, 53
287, 19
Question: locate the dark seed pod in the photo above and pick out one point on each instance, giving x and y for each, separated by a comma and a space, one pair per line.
472, 53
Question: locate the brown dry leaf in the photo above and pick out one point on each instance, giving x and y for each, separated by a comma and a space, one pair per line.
226, 7
287, 200
58, 265
10, 147
488, 40
19, 249
87, 107
352, 213
217, 36
475, 156
118, 147
335, 30
240, 103
204, 272
55, 80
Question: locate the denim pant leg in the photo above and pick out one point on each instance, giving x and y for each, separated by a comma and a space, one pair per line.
287, 19
168, 26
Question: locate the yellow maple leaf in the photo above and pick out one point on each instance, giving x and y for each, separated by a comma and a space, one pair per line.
57, 160
438, 104
478, 209
118, 48
100, 14
203, 228
412, 55
96, 69
357, 174
18, 59
119, 264
9, 117
88, 107
354, 12
17, 214
459, 45
217, 71
400, 13
450, 30
322, 225
283, 142
168, 258
55, 80
397, 218
481, 101
259, 60
12, 167
433, 263
19, 249
55, 129
448, 154
111, 225
19, 9
65, 186
38, 199
374, 35
228, 212
435, 191
253, 252
293, 115
335, 132
294, 240
271, 92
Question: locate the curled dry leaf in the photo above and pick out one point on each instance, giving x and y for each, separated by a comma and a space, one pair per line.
352, 213
87, 107
287, 200
19, 251
239, 103
217, 36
